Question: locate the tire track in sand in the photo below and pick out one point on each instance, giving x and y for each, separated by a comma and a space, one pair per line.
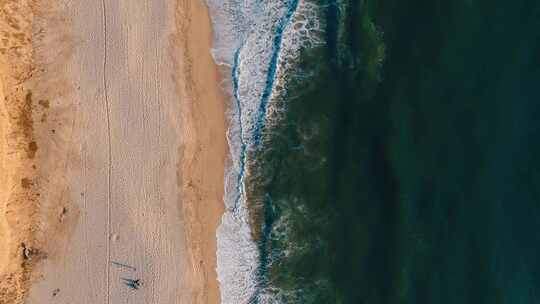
109, 150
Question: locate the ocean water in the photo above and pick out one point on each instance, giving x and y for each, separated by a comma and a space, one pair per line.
381, 151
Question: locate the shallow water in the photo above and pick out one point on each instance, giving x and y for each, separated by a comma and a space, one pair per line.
381, 152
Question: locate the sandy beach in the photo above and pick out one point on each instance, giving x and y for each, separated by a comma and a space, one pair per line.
112, 153
4, 235
204, 147
24, 111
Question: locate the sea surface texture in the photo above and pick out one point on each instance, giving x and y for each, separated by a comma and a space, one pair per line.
381, 151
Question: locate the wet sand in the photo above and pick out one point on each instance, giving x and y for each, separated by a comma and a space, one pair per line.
204, 146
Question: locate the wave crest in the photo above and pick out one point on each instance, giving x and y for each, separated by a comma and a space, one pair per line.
258, 42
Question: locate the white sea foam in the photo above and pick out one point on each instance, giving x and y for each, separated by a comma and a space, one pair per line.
246, 40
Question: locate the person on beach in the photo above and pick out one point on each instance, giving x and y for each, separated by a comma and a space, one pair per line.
133, 284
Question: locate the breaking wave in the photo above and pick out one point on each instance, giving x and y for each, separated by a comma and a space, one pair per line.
257, 43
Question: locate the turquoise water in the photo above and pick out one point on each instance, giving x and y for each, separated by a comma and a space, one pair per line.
403, 166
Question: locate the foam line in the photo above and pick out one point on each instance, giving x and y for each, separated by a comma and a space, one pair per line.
257, 41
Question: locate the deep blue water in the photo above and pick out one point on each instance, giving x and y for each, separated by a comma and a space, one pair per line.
406, 168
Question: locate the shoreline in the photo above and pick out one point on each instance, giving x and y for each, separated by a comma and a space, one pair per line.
204, 150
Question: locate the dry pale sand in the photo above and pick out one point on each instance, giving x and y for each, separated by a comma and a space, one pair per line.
113, 150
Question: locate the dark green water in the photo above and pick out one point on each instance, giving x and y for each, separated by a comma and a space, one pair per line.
407, 169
